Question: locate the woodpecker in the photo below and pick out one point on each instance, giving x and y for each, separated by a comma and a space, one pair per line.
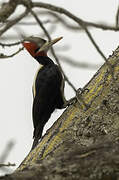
48, 86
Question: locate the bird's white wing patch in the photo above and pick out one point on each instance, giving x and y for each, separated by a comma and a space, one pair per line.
34, 82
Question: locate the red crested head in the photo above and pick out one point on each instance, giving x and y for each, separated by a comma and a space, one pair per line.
37, 46
30, 47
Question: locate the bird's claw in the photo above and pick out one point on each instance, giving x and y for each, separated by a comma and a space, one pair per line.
81, 90
70, 102
74, 99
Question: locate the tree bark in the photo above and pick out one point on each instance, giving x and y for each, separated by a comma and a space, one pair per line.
84, 142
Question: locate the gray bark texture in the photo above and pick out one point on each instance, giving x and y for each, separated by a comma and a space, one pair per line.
84, 142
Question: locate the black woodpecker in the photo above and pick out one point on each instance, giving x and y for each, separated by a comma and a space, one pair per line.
48, 87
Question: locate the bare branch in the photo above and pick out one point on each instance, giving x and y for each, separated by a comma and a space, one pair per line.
11, 6
10, 44
13, 22
60, 19
7, 165
74, 18
102, 26
95, 44
5, 155
7, 9
75, 63
2, 56
30, 23
80, 22
100, 52
117, 18
88, 24
11, 37
6, 152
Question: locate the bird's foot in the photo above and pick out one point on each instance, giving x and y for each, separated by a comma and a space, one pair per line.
82, 90
70, 102
74, 99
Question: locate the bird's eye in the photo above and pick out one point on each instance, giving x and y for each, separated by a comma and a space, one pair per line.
36, 50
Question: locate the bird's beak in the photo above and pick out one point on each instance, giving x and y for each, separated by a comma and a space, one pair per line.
48, 44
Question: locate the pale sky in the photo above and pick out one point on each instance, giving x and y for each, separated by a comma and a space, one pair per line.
17, 73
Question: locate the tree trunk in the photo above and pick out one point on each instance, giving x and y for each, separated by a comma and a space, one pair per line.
84, 142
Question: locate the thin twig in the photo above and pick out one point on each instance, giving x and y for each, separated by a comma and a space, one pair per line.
11, 6
117, 18
77, 20
88, 24
71, 16
100, 52
95, 44
6, 151
2, 56
30, 23
7, 165
68, 14
41, 24
102, 26
80, 22
5, 155
75, 63
11, 37
10, 44
13, 22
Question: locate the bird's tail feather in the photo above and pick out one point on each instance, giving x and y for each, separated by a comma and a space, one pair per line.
35, 142
37, 135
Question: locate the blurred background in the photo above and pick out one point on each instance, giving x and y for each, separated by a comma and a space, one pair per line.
17, 73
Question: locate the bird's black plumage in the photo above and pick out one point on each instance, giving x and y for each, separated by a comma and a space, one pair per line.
48, 87
48, 94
